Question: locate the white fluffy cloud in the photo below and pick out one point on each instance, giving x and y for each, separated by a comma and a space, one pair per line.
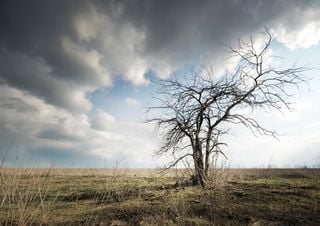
120, 45
299, 33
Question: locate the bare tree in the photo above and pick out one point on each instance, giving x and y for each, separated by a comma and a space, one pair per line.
196, 111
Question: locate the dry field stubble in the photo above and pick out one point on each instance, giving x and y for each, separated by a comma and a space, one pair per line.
143, 197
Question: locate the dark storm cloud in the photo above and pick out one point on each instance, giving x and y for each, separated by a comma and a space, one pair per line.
32, 74
35, 28
32, 54
180, 29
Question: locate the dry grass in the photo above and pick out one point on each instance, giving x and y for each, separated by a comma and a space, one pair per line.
24, 196
142, 197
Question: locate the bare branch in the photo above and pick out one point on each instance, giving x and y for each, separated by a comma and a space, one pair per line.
196, 111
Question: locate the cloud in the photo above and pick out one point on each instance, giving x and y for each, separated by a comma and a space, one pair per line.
102, 120
88, 62
91, 43
41, 131
307, 36
35, 76
54, 54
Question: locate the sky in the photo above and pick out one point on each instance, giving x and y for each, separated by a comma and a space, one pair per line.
75, 77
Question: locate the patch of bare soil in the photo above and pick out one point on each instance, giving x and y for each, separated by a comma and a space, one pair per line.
103, 197
128, 215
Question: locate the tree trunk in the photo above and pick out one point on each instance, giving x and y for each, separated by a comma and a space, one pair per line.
208, 148
199, 177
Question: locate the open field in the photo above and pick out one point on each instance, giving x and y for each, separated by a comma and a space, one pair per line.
143, 197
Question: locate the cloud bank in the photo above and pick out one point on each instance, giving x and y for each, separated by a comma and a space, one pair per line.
54, 54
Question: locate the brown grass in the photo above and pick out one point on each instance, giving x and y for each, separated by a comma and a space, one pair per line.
143, 197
